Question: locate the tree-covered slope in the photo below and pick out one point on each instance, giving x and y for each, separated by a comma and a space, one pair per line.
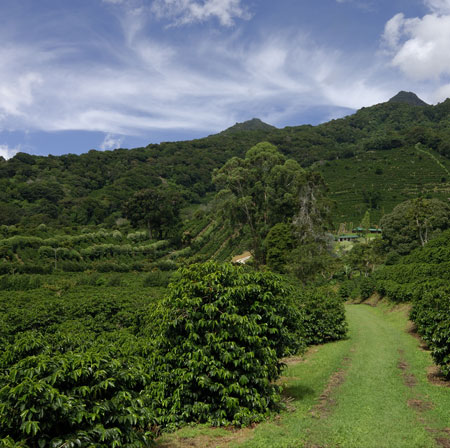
375, 158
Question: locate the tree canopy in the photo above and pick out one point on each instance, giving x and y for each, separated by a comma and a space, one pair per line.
412, 223
265, 189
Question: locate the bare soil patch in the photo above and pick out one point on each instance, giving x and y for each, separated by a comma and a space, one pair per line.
373, 300
420, 405
208, 441
293, 360
401, 307
326, 400
443, 441
436, 377
408, 378
412, 330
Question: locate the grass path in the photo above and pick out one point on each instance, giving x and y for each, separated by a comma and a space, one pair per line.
369, 391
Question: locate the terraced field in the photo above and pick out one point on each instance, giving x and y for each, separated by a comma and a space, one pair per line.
379, 180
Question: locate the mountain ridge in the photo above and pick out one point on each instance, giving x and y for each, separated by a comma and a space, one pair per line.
408, 98
255, 124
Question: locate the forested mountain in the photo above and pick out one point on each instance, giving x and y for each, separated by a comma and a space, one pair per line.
373, 159
408, 98
255, 124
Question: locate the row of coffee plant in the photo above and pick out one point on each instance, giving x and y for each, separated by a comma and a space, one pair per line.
92, 367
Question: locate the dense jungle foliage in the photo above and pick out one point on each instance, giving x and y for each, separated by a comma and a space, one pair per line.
376, 158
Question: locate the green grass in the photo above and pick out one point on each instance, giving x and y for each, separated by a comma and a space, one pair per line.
370, 406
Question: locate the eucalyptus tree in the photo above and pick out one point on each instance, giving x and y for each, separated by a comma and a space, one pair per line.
264, 189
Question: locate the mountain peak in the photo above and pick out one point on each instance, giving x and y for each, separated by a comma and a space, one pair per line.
255, 124
408, 98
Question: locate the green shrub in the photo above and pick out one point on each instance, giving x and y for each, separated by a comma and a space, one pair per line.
366, 287
166, 265
110, 267
218, 352
430, 312
72, 266
157, 278
19, 282
115, 280
29, 268
323, 316
63, 398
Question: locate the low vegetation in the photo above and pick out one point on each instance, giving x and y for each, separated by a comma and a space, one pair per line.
113, 367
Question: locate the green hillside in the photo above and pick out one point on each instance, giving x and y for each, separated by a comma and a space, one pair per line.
375, 159
379, 180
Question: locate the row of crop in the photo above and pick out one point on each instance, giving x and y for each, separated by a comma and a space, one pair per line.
48, 258
430, 313
95, 370
431, 254
363, 287
113, 265
20, 241
414, 272
102, 250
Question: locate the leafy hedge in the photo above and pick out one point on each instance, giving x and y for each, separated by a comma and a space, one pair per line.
323, 316
218, 354
54, 396
105, 367
431, 314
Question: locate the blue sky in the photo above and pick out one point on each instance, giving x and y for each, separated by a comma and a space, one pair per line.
99, 74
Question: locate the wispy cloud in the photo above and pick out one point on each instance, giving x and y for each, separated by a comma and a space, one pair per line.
111, 141
143, 82
438, 6
6, 152
182, 12
365, 5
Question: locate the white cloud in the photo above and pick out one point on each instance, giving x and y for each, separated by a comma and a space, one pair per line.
111, 141
419, 47
438, 6
442, 92
190, 11
139, 84
6, 152
18, 92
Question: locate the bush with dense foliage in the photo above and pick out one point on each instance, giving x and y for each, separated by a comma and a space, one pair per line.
219, 352
73, 367
422, 278
93, 360
94, 396
323, 316
431, 314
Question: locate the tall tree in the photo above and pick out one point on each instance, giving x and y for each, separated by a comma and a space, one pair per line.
412, 223
264, 189
156, 208
256, 189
